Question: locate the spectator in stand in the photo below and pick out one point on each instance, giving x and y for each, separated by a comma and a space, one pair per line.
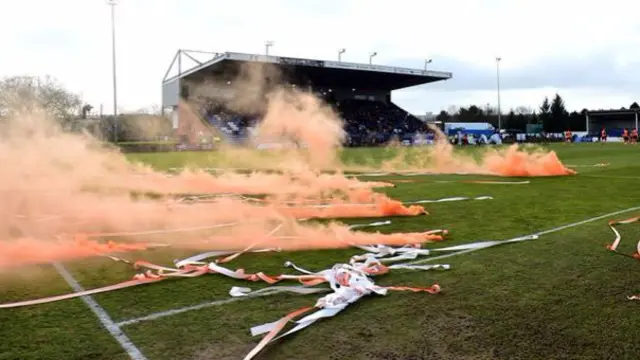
366, 122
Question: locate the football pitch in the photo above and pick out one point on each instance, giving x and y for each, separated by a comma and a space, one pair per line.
561, 296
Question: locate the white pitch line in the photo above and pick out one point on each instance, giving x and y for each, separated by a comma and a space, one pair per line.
162, 314
611, 177
102, 315
559, 228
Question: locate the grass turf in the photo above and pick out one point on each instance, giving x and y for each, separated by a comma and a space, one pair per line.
559, 297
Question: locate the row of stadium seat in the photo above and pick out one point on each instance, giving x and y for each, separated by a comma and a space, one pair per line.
366, 122
374, 122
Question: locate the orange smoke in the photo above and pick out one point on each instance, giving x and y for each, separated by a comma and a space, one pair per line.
60, 183
442, 158
306, 121
514, 162
333, 235
303, 182
383, 208
353, 204
53, 183
32, 251
294, 236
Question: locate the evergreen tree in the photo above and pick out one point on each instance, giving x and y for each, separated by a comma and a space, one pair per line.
545, 115
522, 121
535, 118
443, 116
511, 120
559, 115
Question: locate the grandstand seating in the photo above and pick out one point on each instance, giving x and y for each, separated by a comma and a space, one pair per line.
233, 126
373, 122
366, 122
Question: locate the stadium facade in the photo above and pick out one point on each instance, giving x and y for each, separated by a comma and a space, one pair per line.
361, 93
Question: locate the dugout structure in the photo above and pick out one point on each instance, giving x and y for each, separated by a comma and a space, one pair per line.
612, 120
336, 80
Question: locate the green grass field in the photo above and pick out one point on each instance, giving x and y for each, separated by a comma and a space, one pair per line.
562, 296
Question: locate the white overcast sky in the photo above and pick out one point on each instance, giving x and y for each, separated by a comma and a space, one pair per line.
588, 51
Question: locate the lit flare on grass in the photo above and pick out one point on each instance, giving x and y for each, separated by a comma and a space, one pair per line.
32, 251
442, 158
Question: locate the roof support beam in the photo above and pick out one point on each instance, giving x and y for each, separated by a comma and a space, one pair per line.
175, 57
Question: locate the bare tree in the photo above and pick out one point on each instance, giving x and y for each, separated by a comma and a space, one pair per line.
31, 91
523, 110
150, 110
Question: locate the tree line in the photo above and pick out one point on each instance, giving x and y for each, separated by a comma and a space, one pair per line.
20, 93
551, 115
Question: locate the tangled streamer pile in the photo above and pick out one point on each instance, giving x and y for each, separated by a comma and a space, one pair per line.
348, 282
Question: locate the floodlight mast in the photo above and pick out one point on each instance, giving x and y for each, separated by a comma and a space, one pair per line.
267, 45
498, 59
427, 62
113, 4
340, 52
371, 57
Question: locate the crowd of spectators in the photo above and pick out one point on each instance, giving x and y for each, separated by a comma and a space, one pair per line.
367, 123
373, 122
234, 126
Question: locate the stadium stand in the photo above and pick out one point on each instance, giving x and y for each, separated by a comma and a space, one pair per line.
360, 93
614, 121
376, 122
234, 126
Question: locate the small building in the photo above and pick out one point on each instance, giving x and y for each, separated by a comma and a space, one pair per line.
478, 129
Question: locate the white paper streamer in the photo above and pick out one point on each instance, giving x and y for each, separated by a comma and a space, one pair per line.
428, 201
373, 224
421, 267
477, 245
300, 269
459, 198
238, 291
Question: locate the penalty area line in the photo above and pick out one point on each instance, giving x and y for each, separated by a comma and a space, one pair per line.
113, 328
162, 314
181, 310
540, 233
